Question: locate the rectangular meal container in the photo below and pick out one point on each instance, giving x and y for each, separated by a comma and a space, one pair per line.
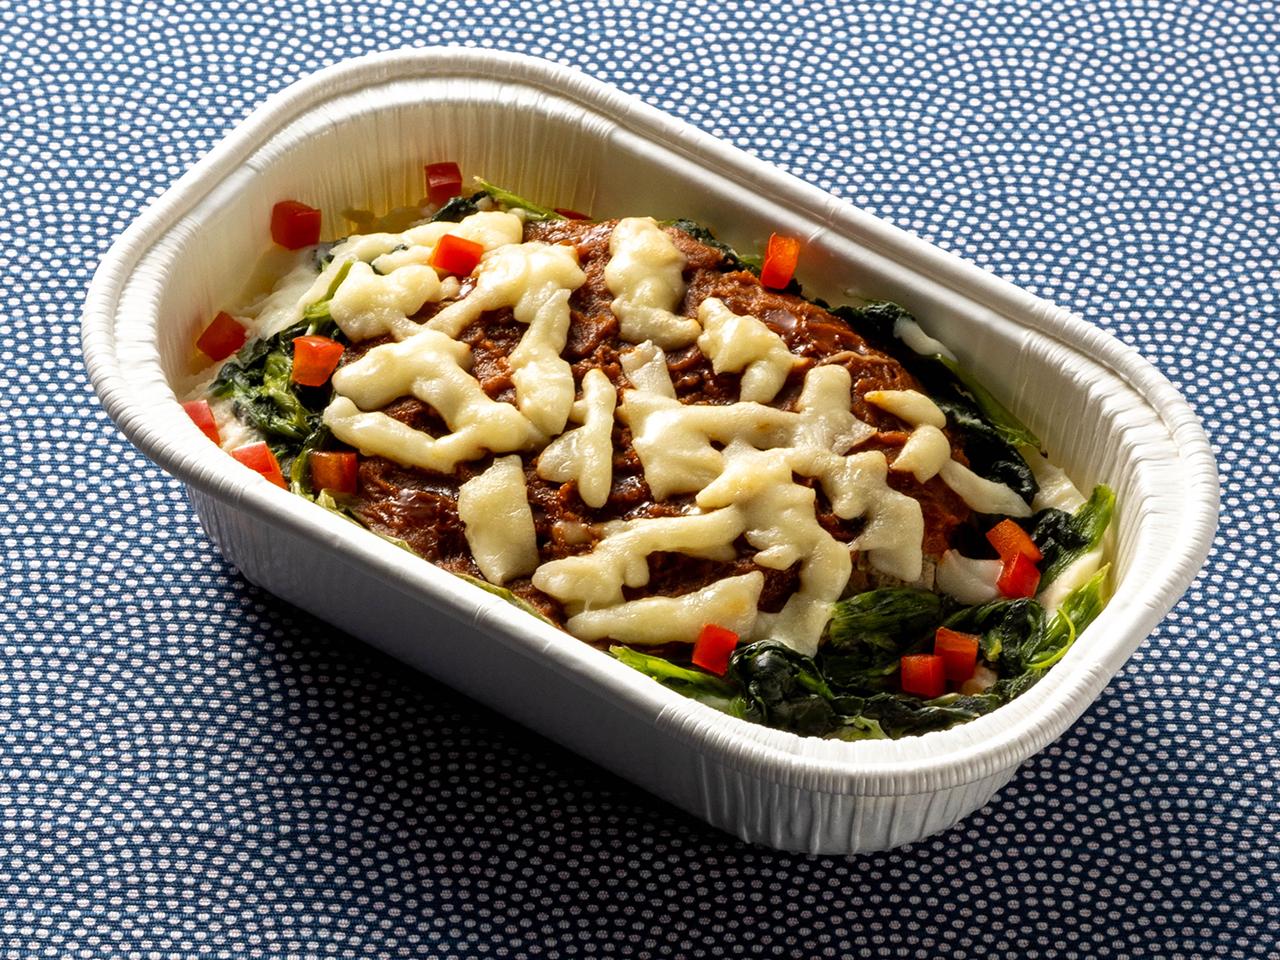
356, 136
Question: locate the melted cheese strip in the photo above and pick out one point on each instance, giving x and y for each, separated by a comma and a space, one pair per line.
981, 495
909, 405
782, 525
676, 442
585, 454
497, 521
730, 603
742, 344
596, 579
376, 300
433, 368
645, 274
924, 453
368, 305
535, 279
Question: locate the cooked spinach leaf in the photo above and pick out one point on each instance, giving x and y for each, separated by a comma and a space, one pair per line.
849, 693
319, 321
1064, 537
1006, 628
459, 208
732, 259
783, 689
884, 617
1078, 610
506, 198
989, 431
697, 684
259, 382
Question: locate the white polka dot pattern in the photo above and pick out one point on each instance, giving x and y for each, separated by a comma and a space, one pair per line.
189, 767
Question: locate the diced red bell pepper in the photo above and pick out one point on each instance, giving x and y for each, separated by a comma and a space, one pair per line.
444, 180
1009, 539
315, 359
570, 214
334, 470
202, 417
924, 674
780, 258
294, 225
223, 337
959, 653
456, 255
713, 648
258, 457
1018, 578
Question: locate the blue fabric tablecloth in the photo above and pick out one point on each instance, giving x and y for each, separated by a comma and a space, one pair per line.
190, 767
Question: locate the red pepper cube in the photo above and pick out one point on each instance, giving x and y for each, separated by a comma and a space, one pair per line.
780, 258
1009, 539
444, 180
315, 359
259, 458
202, 416
1018, 578
294, 225
924, 675
223, 337
334, 470
713, 649
456, 255
959, 653
570, 214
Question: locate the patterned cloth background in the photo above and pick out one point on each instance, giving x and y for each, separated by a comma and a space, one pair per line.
189, 767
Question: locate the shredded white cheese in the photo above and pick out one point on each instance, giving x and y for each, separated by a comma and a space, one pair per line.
645, 274
497, 521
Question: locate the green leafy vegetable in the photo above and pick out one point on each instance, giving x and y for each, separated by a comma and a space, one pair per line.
989, 431
496, 590
459, 208
511, 200
782, 688
883, 617
259, 382
733, 260
257, 379
1005, 627
847, 695
868, 634
1078, 610
990, 454
1010, 428
697, 684
317, 314
1063, 537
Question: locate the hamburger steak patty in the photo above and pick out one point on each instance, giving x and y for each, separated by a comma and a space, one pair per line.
420, 506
